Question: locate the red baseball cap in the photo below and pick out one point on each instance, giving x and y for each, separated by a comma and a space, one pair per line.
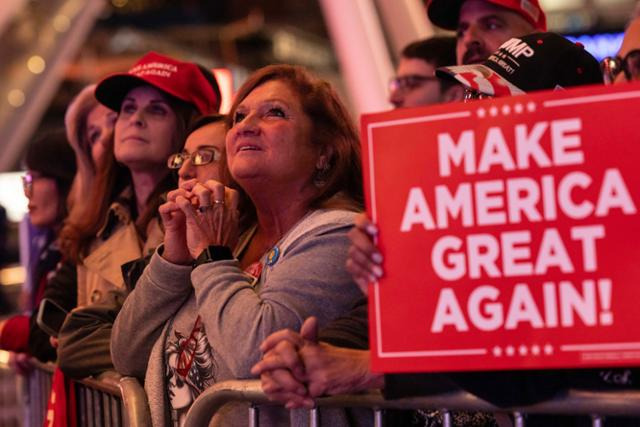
184, 80
446, 13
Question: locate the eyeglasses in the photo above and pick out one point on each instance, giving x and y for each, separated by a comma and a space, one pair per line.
611, 66
409, 82
471, 94
201, 156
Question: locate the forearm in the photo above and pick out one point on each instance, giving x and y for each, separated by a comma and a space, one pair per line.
84, 338
236, 318
84, 351
160, 292
337, 370
350, 330
356, 371
376, 381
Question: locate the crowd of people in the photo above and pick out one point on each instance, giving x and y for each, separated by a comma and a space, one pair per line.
191, 247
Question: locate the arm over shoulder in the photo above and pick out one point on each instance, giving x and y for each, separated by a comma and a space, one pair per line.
158, 295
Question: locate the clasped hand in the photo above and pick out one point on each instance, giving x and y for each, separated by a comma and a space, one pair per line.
296, 368
198, 215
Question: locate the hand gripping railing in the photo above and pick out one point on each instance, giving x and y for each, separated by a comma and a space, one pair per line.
574, 402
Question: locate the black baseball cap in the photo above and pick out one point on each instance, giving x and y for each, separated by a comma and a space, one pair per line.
533, 62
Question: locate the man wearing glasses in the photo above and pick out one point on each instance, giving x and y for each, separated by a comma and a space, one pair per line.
481, 26
415, 83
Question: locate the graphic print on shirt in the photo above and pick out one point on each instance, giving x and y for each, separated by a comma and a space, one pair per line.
190, 367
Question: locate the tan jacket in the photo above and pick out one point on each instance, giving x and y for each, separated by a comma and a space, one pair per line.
117, 243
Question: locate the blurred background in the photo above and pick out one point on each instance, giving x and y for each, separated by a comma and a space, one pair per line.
50, 49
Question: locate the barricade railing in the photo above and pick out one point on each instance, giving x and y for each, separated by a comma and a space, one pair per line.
38, 384
110, 401
573, 402
99, 402
136, 405
11, 394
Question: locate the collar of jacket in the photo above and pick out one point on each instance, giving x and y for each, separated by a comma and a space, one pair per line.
119, 212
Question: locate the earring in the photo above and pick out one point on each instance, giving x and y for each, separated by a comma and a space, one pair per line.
322, 172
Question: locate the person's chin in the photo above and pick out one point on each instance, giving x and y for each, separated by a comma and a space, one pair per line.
245, 171
37, 220
133, 139
127, 159
137, 161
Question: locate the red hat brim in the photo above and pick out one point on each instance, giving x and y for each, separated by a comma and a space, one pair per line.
446, 13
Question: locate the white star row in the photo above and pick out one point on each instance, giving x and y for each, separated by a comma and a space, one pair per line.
506, 109
523, 350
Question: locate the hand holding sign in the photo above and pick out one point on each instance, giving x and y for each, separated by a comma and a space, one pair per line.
364, 260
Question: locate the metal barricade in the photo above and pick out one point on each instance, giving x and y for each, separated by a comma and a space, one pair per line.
38, 385
574, 402
110, 401
11, 395
136, 405
99, 402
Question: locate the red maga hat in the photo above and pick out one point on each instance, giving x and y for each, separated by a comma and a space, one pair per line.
183, 80
446, 13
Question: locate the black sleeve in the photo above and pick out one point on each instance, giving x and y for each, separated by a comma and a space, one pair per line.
513, 388
132, 270
500, 388
604, 378
62, 288
397, 386
351, 330
84, 339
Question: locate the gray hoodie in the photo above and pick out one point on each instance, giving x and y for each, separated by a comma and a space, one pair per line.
308, 278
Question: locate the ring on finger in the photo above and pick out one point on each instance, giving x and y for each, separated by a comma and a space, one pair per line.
218, 202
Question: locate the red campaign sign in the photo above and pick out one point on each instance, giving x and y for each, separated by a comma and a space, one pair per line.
509, 230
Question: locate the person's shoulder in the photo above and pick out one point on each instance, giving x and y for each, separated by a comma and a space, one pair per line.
318, 223
321, 221
329, 217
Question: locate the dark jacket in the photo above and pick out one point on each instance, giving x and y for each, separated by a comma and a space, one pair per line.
61, 288
85, 336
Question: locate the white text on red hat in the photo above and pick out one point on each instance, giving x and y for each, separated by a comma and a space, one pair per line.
154, 68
